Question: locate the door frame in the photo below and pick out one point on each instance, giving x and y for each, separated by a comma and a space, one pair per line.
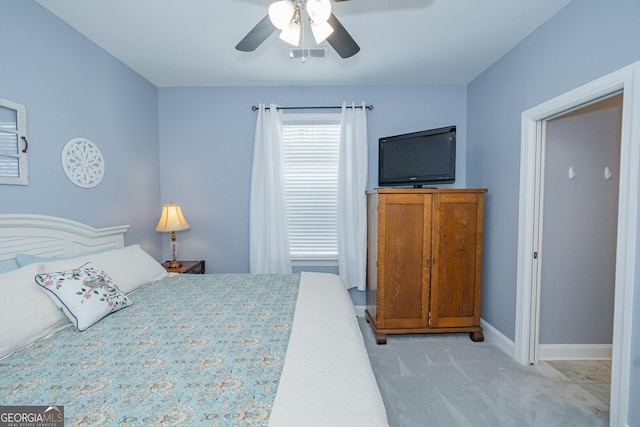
627, 81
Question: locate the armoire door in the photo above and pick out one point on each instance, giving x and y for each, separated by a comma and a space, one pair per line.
403, 260
456, 273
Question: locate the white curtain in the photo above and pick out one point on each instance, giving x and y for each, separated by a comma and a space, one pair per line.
352, 202
268, 236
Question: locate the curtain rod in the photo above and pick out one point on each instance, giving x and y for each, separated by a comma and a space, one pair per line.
368, 107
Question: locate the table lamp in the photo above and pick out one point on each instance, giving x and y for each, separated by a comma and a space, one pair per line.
171, 219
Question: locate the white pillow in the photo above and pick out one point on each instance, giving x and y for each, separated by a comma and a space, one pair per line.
129, 267
86, 293
26, 313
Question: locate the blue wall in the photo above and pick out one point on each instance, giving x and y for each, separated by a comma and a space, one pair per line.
206, 145
71, 88
586, 40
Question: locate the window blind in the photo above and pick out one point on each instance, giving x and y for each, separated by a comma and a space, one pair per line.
9, 157
310, 162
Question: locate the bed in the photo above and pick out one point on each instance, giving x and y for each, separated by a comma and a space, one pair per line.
214, 349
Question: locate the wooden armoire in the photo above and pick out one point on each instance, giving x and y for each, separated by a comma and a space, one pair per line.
424, 272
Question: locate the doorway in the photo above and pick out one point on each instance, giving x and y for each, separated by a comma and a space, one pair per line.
578, 247
627, 82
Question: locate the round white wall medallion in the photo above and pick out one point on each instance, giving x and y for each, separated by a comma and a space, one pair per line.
83, 163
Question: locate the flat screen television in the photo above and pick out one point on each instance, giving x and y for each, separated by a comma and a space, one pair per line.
418, 158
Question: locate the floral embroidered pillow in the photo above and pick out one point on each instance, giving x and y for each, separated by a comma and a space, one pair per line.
86, 294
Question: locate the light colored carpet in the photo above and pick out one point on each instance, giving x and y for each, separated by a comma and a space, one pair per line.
447, 380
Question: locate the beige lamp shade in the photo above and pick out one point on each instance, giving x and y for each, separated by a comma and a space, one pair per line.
172, 219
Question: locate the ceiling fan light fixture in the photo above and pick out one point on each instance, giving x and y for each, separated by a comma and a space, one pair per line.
319, 10
285, 15
291, 33
281, 13
320, 30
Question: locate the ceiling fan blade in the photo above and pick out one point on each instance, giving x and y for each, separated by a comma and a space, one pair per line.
341, 40
256, 36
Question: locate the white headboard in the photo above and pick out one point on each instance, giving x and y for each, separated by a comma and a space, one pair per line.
51, 236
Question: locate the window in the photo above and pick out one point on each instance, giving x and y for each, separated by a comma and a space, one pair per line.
13, 143
310, 162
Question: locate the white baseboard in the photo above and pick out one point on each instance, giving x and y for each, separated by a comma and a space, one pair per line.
545, 351
497, 338
549, 351
574, 351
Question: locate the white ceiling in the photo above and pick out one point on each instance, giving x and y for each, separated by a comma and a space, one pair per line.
178, 43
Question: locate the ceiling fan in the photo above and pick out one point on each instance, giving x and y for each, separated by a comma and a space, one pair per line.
285, 15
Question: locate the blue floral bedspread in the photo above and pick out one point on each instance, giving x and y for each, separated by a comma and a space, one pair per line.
191, 350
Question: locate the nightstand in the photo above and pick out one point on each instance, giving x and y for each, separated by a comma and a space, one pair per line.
187, 267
